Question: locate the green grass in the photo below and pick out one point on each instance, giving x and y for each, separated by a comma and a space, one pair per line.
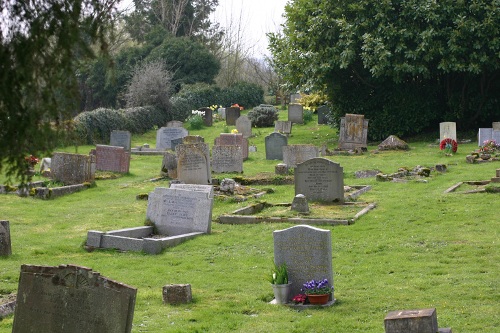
419, 248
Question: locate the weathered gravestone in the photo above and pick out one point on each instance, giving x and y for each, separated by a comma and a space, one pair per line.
495, 125
222, 113
111, 158
165, 135
274, 146
323, 114
71, 299
227, 159
207, 116
232, 114
174, 123
193, 139
393, 143
320, 179
284, 127
228, 139
72, 169
296, 113
413, 321
177, 211
295, 154
244, 126
169, 164
193, 163
5, 243
487, 134
295, 97
353, 131
121, 139
307, 252
447, 130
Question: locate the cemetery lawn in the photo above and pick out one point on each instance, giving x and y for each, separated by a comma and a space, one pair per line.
420, 248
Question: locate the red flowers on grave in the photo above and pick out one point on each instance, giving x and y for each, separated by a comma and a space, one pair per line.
449, 146
32, 161
299, 299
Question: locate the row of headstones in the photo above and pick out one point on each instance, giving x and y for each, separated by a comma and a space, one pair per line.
449, 130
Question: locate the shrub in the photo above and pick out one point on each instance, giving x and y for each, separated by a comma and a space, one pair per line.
313, 101
200, 95
307, 116
245, 94
263, 115
181, 108
195, 121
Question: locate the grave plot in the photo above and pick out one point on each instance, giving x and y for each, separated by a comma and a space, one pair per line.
44, 189
418, 173
176, 214
480, 186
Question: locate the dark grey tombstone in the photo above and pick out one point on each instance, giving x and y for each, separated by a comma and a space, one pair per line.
175, 142
323, 112
72, 169
296, 113
295, 154
244, 126
5, 243
227, 159
284, 127
307, 252
193, 163
353, 131
165, 135
411, 321
71, 299
274, 146
207, 116
121, 139
320, 179
232, 114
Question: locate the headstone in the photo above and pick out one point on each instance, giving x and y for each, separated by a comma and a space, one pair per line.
222, 112
5, 244
487, 134
496, 126
177, 294
111, 158
294, 98
228, 139
121, 139
244, 126
296, 113
176, 211
207, 116
411, 321
299, 204
45, 165
284, 127
353, 131
175, 123
207, 189
169, 164
193, 163
72, 169
307, 252
193, 139
274, 146
320, 179
165, 135
71, 299
232, 114
175, 142
448, 130
323, 114
295, 154
281, 169
227, 159
393, 143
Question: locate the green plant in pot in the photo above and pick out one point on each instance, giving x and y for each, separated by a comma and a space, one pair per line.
318, 292
280, 283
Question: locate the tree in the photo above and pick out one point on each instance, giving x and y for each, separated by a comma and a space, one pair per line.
405, 64
40, 45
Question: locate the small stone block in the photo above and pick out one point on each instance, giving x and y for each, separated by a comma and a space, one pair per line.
94, 238
177, 294
471, 159
281, 169
495, 180
498, 173
445, 330
411, 321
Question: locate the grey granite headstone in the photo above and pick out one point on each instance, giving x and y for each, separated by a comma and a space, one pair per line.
323, 113
320, 179
71, 299
193, 163
296, 113
232, 114
300, 204
72, 169
295, 97
222, 113
175, 123
121, 139
295, 154
353, 131
448, 130
177, 211
284, 127
165, 135
307, 252
411, 321
5, 243
487, 134
274, 146
244, 126
227, 159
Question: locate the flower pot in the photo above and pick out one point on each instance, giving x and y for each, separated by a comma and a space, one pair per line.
282, 292
318, 299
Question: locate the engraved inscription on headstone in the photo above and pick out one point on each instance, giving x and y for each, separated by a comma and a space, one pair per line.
193, 163
165, 135
284, 127
228, 139
320, 179
5, 243
353, 131
112, 158
72, 169
448, 130
227, 159
121, 139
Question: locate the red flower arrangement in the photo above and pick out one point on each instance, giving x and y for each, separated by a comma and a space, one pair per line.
32, 160
300, 298
449, 145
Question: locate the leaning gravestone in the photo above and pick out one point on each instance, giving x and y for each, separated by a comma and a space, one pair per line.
323, 112
71, 299
111, 158
244, 126
353, 131
227, 159
165, 135
448, 130
232, 114
72, 169
307, 252
5, 244
121, 139
295, 154
274, 146
193, 163
284, 127
228, 139
320, 179
296, 113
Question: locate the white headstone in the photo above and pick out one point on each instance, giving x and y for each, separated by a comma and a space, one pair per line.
448, 130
